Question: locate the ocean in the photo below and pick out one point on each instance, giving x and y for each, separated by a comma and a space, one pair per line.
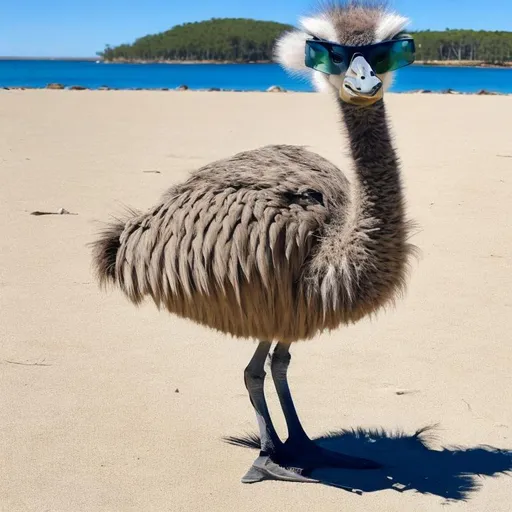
246, 77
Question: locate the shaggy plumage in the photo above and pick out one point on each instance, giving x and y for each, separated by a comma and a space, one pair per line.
266, 244
274, 243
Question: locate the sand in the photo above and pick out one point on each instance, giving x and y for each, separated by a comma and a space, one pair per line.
106, 407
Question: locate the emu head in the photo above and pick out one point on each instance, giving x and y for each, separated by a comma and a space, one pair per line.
352, 24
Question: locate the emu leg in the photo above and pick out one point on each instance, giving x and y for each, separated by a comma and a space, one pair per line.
254, 377
299, 451
295, 459
279, 366
264, 467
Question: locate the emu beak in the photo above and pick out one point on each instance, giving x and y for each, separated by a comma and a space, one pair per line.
361, 86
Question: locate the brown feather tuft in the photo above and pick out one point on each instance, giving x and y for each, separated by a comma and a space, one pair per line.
105, 252
106, 247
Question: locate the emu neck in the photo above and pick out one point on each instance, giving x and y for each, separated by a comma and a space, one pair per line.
370, 141
371, 243
379, 193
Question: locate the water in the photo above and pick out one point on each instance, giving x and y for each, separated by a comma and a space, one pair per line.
230, 76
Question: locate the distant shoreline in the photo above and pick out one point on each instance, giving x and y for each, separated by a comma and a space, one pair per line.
47, 59
271, 90
463, 64
433, 63
440, 63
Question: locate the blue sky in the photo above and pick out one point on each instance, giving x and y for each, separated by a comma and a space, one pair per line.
80, 28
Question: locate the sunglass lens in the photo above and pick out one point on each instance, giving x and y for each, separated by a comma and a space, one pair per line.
394, 56
319, 58
402, 54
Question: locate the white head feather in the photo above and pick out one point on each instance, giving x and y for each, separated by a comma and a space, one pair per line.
320, 26
389, 26
290, 49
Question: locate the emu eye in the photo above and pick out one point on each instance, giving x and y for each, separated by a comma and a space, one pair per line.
336, 59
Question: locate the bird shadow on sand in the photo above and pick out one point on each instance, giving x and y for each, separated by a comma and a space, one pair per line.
409, 463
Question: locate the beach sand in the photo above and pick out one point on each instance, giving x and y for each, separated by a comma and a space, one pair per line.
106, 407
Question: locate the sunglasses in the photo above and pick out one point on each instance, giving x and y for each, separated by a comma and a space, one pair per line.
334, 59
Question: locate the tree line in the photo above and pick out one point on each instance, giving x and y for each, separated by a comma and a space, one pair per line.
245, 40
485, 46
236, 40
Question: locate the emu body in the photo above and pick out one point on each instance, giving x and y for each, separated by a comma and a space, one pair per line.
261, 245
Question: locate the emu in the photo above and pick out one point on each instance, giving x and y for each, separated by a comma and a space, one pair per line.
275, 244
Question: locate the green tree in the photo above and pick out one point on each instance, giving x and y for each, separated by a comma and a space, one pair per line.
237, 40
245, 40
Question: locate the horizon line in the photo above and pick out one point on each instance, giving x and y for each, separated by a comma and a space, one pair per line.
21, 57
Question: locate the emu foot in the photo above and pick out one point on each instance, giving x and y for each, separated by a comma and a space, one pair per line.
296, 462
264, 468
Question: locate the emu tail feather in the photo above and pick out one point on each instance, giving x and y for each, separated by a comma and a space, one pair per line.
104, 252
106, 247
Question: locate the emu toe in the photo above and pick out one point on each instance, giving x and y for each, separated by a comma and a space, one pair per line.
296, 463
264, 468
